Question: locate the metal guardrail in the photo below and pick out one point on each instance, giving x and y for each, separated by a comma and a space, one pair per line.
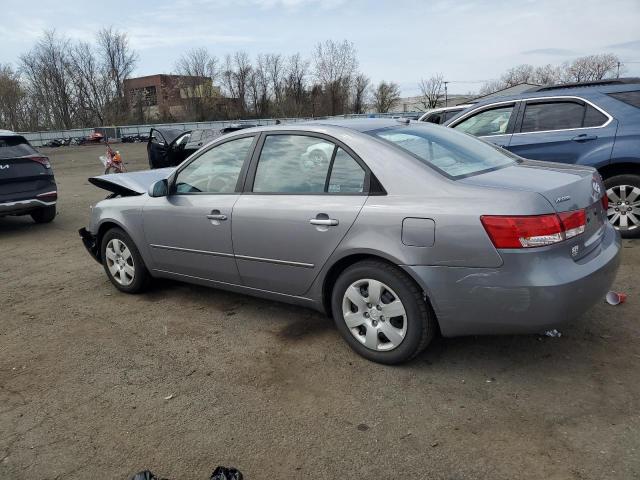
39, 139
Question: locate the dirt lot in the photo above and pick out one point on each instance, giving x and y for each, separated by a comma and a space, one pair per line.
273, 390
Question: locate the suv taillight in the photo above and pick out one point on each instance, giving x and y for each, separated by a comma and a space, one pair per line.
605, 201
528, 231
44, 161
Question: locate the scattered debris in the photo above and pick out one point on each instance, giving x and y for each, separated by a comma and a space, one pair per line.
434, 444
363, 427
226, 473
169, 397
615, 298
553, 333
490, 380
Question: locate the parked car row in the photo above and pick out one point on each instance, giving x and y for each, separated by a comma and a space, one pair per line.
593, 123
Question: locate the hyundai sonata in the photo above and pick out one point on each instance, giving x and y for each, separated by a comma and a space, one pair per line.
398, 230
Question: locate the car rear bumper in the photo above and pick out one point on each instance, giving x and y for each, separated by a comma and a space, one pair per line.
90, 243
19, 207
532, 292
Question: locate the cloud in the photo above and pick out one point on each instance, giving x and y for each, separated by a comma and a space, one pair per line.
632, 45
550, 51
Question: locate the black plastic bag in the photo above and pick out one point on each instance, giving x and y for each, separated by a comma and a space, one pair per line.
145, 475
224, 473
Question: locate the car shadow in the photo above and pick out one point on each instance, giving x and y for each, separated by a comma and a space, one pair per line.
299, 323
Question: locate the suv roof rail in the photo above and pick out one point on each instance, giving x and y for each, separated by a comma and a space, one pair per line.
595, 83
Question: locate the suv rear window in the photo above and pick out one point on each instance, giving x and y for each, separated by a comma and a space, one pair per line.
15, 146
453, 154
632, 98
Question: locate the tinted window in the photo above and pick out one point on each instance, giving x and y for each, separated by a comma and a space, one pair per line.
632, 98
293, 164
216, 170
15, 146
450, 114
593, 117
347, 176
434, 118
487, 122
552, 116
447, 151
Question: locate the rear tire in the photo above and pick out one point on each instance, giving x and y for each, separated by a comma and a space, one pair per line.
409, 324
122, 262
624, 194
44, 214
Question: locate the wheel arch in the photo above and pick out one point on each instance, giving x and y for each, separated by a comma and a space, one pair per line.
103, 228
346, 261
619, 168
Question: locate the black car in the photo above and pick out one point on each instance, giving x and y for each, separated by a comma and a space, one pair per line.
168, 147
27, 185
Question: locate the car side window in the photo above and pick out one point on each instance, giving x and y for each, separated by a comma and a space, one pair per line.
293, 164
347, 176
493, 121
450, 114
552, 116
434, 118
594, 117
215, 171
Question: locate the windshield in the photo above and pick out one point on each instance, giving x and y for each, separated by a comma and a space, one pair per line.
451, 153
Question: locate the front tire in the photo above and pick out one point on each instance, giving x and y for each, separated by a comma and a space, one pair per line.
44, 214
122, 262
624, 204
381, 312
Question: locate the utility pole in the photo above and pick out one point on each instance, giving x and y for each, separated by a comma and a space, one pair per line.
618, 74
445, 93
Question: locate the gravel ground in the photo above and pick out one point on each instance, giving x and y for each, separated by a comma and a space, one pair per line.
99, 384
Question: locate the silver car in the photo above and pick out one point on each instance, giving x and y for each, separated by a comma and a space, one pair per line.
404, 230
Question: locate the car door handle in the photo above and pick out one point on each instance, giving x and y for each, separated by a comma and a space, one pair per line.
328, 222
216, 215
584, 137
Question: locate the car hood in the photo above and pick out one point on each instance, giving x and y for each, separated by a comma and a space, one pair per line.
566, 187
134, 183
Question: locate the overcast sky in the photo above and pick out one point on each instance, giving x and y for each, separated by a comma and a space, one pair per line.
399, 40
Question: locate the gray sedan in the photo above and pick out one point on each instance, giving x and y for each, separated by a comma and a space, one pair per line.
397, 230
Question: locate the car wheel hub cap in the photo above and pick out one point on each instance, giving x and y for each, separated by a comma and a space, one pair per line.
374, 315
120, 262
624, 207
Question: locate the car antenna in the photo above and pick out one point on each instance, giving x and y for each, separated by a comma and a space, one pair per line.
404, 121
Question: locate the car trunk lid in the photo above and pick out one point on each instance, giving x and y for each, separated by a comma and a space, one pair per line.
566, 187
22, 169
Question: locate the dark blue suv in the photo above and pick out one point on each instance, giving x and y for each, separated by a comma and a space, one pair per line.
594, 123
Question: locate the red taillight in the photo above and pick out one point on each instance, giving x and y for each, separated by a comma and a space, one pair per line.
605, 202
533, 230
44, 161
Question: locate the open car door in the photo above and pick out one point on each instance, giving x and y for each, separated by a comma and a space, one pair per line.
165, 147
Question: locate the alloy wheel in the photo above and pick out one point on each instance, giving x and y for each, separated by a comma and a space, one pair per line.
120, 262
374, 314
624, 207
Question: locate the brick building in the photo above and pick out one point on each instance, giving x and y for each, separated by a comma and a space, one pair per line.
165, 97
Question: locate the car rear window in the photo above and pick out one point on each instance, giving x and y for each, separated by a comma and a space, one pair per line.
15, 146
452, 153
632, 98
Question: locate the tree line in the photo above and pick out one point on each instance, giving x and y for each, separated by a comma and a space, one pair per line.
62, 84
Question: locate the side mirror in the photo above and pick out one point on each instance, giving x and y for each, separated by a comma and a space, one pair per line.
159, 189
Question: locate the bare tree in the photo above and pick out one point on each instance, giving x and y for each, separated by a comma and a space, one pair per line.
46, 69
275, 68
360, 92
591, 68
235, 76
92, 86
335, 64
198, 70
12, 99
431, 90
386, 96
117, 55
